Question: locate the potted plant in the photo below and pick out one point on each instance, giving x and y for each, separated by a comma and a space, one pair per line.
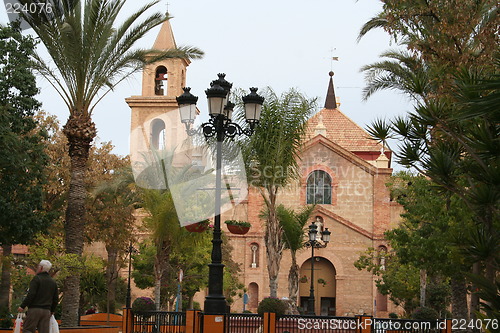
303, 279
238, 227
322, 281
198, 227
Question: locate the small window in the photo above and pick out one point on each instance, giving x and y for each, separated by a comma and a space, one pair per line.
319, 188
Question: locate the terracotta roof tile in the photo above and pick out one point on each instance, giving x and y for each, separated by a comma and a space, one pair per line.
342, 130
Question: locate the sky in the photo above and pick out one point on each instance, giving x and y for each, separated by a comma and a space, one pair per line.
276, 43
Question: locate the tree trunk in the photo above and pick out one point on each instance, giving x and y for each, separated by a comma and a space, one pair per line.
293, 280
161, 264
111, 277
423, 286
6, 276
80, 131
459, 299
274, 245
157, 294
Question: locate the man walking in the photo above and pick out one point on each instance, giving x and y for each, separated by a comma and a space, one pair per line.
41, 300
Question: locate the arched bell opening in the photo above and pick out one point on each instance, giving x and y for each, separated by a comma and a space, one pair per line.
161, 81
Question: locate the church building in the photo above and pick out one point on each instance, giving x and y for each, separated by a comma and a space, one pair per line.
342, 171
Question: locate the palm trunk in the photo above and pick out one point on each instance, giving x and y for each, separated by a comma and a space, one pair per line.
80, 131
474, 298
459, 298
274, 245
6, 276
111, 278
293, 280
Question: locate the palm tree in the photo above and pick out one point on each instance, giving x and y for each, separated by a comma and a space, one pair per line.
91, 56
293, 225
165, 228
272, 156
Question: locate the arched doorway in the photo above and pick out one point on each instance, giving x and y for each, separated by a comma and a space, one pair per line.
253, 296
325, 286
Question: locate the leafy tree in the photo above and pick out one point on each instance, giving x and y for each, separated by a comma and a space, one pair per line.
451, 136
91, 56
446, 33
272, 166
22, 159
427, 240
111, 208
143, 264
428, 236
400, 281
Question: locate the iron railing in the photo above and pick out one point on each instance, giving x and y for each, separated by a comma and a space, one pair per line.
315, 324
243, 323
383, 325
158, 322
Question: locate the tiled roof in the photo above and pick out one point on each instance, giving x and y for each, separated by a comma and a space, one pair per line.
341, 130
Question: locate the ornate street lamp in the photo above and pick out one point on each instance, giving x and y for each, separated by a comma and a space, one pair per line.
313, 243
221, 126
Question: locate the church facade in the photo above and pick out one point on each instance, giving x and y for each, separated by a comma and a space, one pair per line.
342, 171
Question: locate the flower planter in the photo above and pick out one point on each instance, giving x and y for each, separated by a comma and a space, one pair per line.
237, 229
197, 227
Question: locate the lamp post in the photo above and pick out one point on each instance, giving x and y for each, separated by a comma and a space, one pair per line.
128, 310
220, 126
130, 250
313, 243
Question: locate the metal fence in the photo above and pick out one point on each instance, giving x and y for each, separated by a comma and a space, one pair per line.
158, 322
175, 322
243, 323
315, 324
382, 325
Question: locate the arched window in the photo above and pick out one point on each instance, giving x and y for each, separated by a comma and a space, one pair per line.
158, 134
161, 81
319, 188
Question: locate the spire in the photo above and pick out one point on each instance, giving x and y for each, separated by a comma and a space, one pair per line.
165, 39
331, 100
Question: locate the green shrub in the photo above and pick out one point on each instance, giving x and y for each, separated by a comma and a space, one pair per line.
5, 318
425, 313
393, 315
143, 304
272, 305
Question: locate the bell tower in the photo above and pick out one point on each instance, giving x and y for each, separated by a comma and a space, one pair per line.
155, 120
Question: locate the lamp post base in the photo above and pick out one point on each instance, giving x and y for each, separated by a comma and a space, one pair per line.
215, 305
